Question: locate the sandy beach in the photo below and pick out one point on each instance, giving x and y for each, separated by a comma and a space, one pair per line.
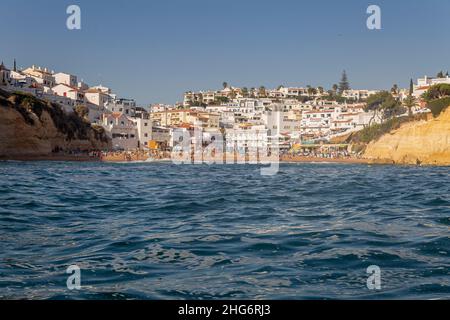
137, 157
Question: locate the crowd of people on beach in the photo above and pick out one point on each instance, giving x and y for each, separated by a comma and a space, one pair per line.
143, 155
101, 155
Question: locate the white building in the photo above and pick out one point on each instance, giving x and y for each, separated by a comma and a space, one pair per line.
65, 78
125, 106
358, 94
70, 92
423, 84
246, 138
5, 75
144, 130
122, 130
97, 96
42, 75
20, 80
316, 122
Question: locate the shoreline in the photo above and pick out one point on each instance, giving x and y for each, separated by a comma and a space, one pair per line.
292, 160
121, 159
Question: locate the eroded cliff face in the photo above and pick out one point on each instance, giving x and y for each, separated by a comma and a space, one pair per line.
27, 133
424, 142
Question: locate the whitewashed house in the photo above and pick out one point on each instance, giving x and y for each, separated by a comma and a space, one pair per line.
122, 130
5, 75
65, 78
144, 130
97, 96
42, 75
70, 92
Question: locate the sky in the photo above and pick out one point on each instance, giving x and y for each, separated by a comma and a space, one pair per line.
155, 50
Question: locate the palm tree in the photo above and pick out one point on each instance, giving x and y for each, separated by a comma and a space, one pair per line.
225, 85
262, 91
320, 89
394, 89
311, 91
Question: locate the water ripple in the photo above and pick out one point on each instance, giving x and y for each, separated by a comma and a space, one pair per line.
157, 230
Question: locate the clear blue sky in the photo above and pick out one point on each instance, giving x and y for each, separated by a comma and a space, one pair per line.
155, 50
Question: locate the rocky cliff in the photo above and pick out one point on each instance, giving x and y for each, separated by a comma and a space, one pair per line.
33, 127
423, 142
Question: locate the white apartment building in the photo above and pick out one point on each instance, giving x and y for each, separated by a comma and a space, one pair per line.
125, 106
122, 130
144, 130
245, 138
293, 92
42, 75
20, 80
97, 96
73, 93
316, 122
423, 84
358, 94
65, 78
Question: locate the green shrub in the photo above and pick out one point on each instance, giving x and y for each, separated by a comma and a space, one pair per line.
375, 131
71, 125
438, 105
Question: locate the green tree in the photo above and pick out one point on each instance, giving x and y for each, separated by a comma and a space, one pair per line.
312, 91
262, 91
220, 100
82, 111
438, 91
245, 93
394, 89
225, 85
320, 90
385, 104
344, 84
410, 101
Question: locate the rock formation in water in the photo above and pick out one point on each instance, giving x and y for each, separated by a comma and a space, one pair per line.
34, 127
423, 142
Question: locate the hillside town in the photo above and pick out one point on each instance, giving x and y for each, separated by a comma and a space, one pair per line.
247, 117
